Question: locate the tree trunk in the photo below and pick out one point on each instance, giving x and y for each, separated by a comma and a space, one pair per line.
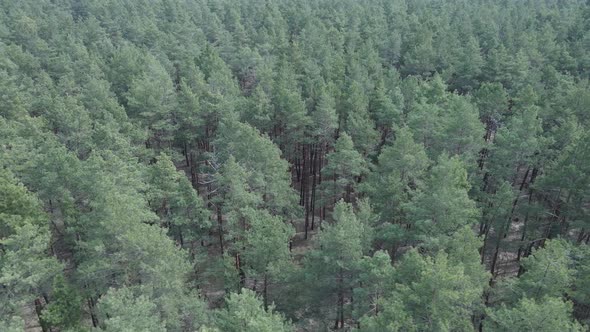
39, 311
265, 292
303, 194
495, 257
220, 228
340, 310
485, 241
241, 273
91, 306
515, 203
581, 236
313, 185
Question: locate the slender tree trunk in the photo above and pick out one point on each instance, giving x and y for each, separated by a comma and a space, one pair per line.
298, 172
351, 304
384, 133
265, 292
304, 196
323, 207
91, 308
241, 273
496, 252
556, 217
521, 250
515, 203
394, 247
303, 177
516, 175
185, 153
484, 152
180, 237
220, 228
313, 185
581, 235
486, 179
563, 226
485, 241
194, 172
39, 311
522, 236
524, 229
340, 310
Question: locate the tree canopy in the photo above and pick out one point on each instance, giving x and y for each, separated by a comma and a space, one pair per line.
294, 165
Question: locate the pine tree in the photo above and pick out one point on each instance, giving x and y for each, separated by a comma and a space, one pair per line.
151, 100
432, 293
26, 269
172, 198
548, 314
443, 206
268, 174
123, 311
344, 166
548, 271
266, 249
336, 255
393, 183
64, 310
245, 312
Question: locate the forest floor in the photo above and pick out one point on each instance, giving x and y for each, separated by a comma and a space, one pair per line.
31, 320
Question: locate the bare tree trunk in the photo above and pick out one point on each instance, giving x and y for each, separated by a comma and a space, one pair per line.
313, 185
485, 241
340, 311
91, 308
304, 200
241, 273
515, 203
220, 228
39, 311
265, 292
499, 237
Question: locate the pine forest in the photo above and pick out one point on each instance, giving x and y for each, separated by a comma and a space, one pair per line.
294, 165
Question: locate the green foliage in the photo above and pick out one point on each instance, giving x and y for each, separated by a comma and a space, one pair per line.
125, 312
172, 197
516, 144
26, 269
546, 314
445, 122
548, 271
12, 324
244, 312
17, 206
374, 282
268, 175
387, 107
152, 151
64, 311
492, 100
336, 255
440, 295
398, 172
344, 165
566, 181
267, 249
324, 118
443, 206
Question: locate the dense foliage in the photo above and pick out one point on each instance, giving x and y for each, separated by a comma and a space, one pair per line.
259, 165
